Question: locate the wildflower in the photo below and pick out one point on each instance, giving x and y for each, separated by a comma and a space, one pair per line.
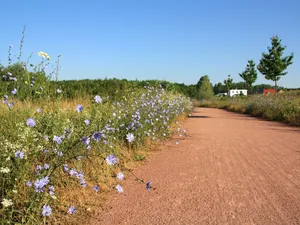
114, 114
96, 136
46, 210
73, 172
98, 99
86, 140
87, 122
130, 137
14, 91
59, 91
7, 202
30, 122
13, 78
82, 182
51, 190
9, 73
4, 170
88, 147
39, 167
39, 184
111, 160
119, 188
71, 210
148, 185
38, 110
46, 166
96, 188
57, 139
19, 154
79, 108
79, 175
66, 168
10, 105
120, 176
59, 153
44, 55
28, 184
176, 142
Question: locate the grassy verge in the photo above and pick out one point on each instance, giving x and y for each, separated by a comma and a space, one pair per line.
59, 157
283, 107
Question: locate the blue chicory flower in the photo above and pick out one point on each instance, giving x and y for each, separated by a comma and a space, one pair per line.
111, 160
130, 137
14, 91
57, 139
87, 122
46, 210
120, 176
46, 166
79, 108
71, 210
98, 99
96, 188
96, 136
30, 122
28, 184
19, 154
148, 185
119, 188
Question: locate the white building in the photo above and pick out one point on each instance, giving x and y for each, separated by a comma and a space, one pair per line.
237, 92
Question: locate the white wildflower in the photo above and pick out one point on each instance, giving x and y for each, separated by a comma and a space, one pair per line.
4, 170
7, 202
44, 55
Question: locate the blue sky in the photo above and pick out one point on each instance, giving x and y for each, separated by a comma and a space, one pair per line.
178, 41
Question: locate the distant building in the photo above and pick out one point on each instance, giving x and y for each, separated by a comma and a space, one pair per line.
269, 91
232, 93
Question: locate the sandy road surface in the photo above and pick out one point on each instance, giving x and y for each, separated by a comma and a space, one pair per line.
234, 169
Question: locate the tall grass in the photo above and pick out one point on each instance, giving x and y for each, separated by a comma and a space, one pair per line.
283, 107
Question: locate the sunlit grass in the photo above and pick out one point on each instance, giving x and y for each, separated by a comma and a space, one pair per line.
284, 107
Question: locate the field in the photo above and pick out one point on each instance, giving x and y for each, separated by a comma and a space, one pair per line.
283, 107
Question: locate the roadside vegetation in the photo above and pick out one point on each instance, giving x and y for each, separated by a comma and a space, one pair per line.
284, 107
63, 147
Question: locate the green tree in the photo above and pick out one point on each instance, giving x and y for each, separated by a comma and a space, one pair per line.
273, 65
249, 75
205, 88
228, 83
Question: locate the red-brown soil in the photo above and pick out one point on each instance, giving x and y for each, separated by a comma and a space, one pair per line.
234, 169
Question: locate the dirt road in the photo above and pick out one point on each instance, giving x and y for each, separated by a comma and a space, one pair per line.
234, 169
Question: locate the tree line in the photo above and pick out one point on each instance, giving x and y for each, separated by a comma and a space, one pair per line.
272, 66
36, 84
